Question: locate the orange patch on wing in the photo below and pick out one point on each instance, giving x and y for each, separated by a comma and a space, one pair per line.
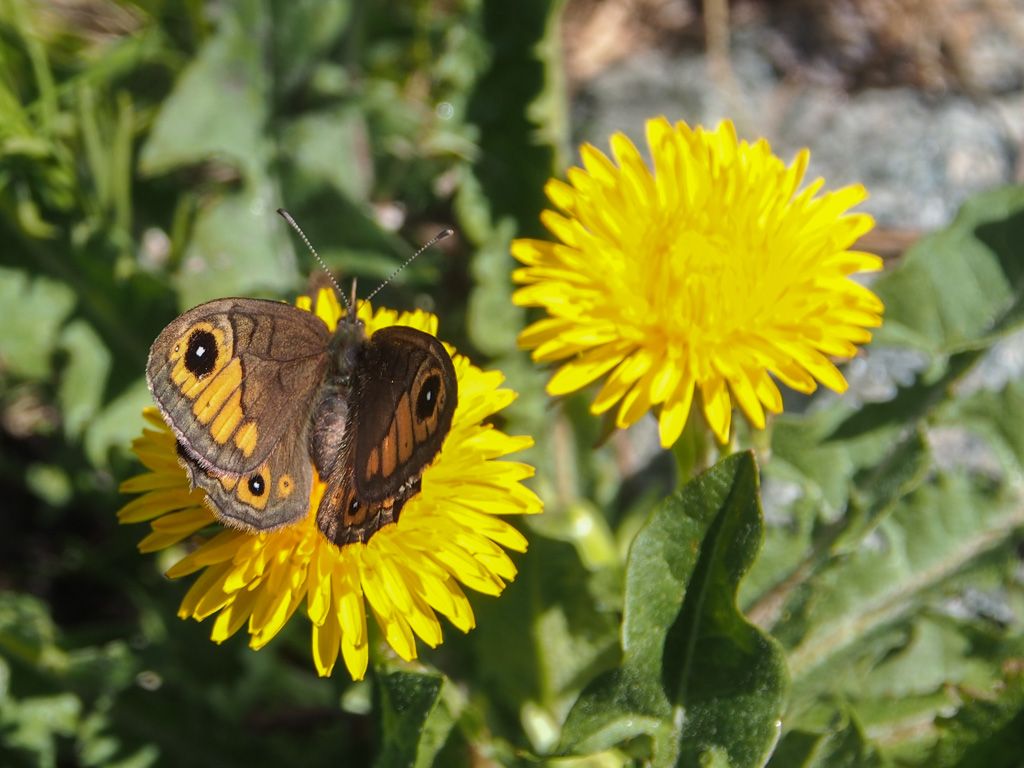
187, 382
221, 387
373, 465
228, 482
404, 422
245, 438
389, 452
228, 419
420, 428
285, 486
248, 497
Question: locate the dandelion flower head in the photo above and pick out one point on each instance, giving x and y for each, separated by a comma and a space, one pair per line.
710, 272
408, 573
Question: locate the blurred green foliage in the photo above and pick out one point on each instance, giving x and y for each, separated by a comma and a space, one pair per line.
871, 614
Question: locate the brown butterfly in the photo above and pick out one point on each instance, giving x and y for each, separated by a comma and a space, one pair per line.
259, 393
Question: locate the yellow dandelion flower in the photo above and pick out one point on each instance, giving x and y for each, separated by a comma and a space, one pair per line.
408, 572
707, 274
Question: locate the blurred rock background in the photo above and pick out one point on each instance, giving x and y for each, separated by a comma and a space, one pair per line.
920, 100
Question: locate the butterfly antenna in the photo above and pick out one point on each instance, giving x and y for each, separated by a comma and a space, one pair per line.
288, 217
429, 244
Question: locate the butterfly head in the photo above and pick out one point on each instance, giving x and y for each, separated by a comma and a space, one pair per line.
345, 343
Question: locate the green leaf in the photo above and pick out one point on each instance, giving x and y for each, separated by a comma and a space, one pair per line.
519, 108
927, 541
696, 677
492, 321
26, 631
238, 248
338, 133
219, 105
987, 731
303, 34
50, 483
995, 417
117, 424
34, 311
84, 378
961, 288
883, 486
36, 723
551, 636
414, 721
953, 294
842, 745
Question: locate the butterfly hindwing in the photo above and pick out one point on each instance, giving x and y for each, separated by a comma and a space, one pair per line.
274, 494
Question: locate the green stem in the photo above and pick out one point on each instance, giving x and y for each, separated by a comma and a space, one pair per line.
691, 450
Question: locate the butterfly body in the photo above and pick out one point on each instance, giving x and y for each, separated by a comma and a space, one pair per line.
260, 393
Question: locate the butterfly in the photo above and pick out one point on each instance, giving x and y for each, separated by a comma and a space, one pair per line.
259, 393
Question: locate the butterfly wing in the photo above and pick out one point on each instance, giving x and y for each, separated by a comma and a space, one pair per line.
344, 518
400, 409
231, 377
273, 495
403, 399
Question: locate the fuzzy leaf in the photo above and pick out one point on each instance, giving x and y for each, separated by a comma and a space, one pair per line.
962, 287
928, 540
696, 677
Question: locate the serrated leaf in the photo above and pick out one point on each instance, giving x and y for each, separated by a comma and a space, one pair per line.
881, 488
937, 653
928, 540
696, 677
954, 294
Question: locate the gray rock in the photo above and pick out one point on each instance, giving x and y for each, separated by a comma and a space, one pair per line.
920, 157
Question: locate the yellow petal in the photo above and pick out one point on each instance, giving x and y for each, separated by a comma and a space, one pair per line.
356, 657
717, 407
675, 412
326, 641
584, 369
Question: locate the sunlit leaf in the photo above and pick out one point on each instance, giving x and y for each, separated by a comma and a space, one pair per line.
696, 677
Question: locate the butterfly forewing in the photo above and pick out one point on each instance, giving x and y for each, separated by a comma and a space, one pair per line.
404, 396
400, 408
233, 375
